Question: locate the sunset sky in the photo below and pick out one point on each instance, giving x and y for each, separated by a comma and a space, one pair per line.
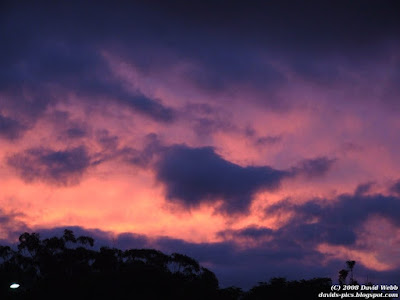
260, 138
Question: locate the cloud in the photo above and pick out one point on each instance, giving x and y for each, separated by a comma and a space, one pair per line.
207, 119
245, 266
53, 59
271, 54
21, 108
253, 232
335, 221
218, 69
223, 47
144, 157
395, 188
261, 141
314, 167
11, 225
106, 140
268, 140
76, 132
316, 40
208, 126
363, 188
11, 129
148, 106
60, 167
192, 176
195, 175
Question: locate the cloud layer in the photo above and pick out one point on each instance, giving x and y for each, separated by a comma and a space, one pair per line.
258, 138
193, 175
60, 167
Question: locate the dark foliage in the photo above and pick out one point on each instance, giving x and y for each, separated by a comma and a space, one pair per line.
68, 268
280, 288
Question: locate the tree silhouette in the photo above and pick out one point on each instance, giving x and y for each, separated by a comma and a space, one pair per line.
345, 272
350, 264
69, 236
68, 267
280, 288
342, 276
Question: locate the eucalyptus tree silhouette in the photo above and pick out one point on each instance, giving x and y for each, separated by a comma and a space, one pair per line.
280, 288
345, 272
342, 276
67, 267
350, 264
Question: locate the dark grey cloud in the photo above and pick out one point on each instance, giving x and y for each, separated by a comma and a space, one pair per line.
19, 113
192, 176
392, 90
11, 225
268, 140
47, 55
10, 128
225, 44
130, 240
136, 157
144, 157
61, 167
253, 232
254, 264
314, 19
312, 223
84, 72
195, 175
336, 221
363, 188
207, 119
107, 140
395, 188
310, 37
219, 68
244, 266
76, 132
314, 167
66, 127
208, 126
148, 106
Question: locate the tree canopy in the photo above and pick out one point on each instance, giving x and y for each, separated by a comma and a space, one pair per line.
68, 267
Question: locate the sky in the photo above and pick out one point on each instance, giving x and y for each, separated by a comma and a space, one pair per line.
260, 138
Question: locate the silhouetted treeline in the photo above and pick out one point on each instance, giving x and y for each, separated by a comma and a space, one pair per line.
68, 268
